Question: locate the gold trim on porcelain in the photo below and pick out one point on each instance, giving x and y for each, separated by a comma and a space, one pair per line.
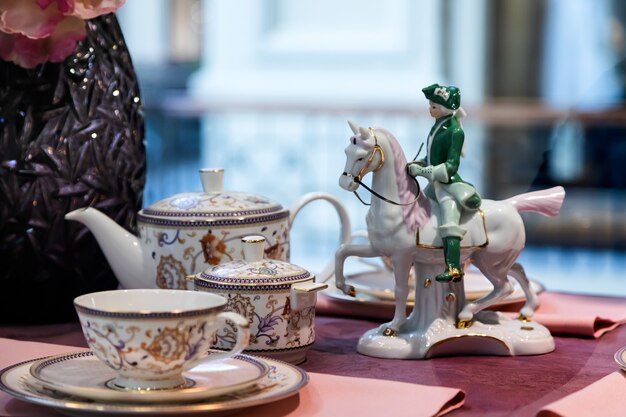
253, 283
441, 342
351, 291
191, 225
295, 380
318, 287
248, 291
464, 324
253, 239
389, 332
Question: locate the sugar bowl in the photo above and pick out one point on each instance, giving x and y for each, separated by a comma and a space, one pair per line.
277, 298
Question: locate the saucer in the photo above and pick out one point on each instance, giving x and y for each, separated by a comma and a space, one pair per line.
620, 358
82, 374
377, 285
283, 380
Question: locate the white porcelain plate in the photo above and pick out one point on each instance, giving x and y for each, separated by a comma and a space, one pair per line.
82, 374
620, 358
282, 381
379, 284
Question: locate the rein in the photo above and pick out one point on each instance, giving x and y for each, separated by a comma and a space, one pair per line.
363, 170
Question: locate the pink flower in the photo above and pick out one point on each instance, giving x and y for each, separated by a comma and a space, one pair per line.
35, 31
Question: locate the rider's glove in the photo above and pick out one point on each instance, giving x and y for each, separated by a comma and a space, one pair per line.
430, 172
414, 169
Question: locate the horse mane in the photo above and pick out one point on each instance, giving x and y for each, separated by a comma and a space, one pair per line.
418, 214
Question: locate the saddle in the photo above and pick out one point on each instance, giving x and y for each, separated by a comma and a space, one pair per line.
473, 222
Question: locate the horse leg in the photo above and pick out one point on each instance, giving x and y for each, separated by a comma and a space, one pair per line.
401, 267
497, 275
341, 254
532, 302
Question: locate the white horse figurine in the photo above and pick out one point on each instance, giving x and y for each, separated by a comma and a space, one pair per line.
402, 224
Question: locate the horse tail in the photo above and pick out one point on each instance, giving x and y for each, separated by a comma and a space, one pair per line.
547, 202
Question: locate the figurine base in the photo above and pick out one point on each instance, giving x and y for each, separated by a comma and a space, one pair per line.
491, 333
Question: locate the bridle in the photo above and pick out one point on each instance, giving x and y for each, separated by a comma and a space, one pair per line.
363, 171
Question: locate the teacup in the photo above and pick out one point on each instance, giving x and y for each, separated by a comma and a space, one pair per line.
151, 336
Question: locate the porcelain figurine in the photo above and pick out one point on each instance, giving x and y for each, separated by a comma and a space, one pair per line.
188, 232
276, 297
453, 195
403, 224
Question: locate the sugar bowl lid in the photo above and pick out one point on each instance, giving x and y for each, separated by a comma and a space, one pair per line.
213, 205
253, 272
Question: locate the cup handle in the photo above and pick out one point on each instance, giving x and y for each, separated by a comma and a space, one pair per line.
344, 219
243, 335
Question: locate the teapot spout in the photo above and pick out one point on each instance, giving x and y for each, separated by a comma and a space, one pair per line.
122, 249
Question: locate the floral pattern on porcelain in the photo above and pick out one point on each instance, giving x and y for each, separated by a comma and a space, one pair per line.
212, 205
146, 348
273, 325
267, 271
171, 273
168, 346
177, 252
185, 203
260, 290
300, 329
214, 249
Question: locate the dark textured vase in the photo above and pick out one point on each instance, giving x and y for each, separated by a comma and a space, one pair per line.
71, 135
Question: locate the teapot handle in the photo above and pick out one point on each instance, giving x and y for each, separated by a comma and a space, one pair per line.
344, 219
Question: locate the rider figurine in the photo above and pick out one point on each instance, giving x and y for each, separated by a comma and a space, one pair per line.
444, 147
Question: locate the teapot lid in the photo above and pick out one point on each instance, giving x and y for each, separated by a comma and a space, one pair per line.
253, 272
212, 206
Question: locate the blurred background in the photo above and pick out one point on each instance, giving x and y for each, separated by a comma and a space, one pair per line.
264, 88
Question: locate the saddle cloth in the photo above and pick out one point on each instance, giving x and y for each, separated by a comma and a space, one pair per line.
473, 222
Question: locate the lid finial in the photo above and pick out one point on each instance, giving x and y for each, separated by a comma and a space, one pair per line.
253, 248
212, 179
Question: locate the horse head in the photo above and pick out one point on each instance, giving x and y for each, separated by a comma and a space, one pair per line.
363, 155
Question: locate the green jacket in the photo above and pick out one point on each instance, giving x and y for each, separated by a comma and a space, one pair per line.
446, 146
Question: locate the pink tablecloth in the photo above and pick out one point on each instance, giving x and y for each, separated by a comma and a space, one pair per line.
564, 314
325, 395
581, 315
493, 386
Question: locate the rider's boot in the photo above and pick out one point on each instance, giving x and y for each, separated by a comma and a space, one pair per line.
452, 255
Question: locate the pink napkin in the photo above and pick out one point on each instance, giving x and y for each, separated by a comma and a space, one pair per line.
324, 395
13, 351
602, 398
330, 395
570, 314
582, 315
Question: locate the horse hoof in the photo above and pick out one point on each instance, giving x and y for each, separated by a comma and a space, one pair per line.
463, 324
389, 332
524, 318
351, 291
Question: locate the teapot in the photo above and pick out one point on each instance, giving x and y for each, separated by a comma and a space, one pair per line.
184, 234
278, 299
